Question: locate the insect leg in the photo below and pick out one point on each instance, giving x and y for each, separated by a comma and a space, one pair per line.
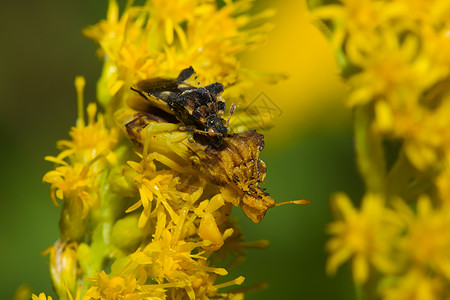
232, 108
167, 161
203, 132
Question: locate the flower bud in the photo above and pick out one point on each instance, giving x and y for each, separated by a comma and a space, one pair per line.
125, 233
63, 268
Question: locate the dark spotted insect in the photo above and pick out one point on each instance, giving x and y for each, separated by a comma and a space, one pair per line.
235, 167
200, 109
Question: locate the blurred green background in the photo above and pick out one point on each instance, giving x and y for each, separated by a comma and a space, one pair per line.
309, 153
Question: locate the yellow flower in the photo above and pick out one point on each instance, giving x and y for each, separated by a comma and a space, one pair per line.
75, 183
179, 218
426, 135
395, 59
172, 13
79, 171
356, 21
364, 236
174, 264
424, 131
117, 287
171, 210
41, 297
427, 238
431, 13
417, 284
68, 294
162, 38
89, 141
87, 153
390, 70
160, 186
80, 168
63, 267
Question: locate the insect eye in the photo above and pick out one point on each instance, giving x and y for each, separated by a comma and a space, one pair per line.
221, 106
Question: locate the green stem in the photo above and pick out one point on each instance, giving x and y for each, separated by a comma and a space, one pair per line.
406, 181
72, 224
96, 254
399, 175
359, 292
370, 287
369, 150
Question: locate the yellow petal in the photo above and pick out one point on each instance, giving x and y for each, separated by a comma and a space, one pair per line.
208, 231
360, 269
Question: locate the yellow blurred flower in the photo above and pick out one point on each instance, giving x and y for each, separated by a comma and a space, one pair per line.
390, 70
356, 21
417, 284
364, 236
393, 55
427, 238
393, 59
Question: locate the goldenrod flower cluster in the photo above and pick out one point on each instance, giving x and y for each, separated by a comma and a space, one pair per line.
138, 222
394, 57
161, 38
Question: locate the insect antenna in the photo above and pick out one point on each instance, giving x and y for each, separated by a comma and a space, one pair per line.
139, 92
300, 202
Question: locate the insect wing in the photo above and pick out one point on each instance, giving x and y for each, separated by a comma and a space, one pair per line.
189, 107
196, 106
161, 88
158, 84
136, 102
215, 89
185, 74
